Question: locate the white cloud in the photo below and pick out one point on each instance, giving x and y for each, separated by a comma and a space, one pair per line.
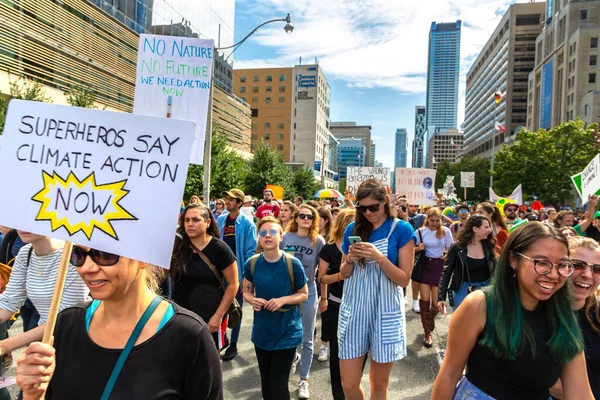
374, 43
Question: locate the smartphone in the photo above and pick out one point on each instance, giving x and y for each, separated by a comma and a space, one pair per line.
403, 208
354, 239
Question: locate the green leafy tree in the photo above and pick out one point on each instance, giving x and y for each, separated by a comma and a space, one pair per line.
22, 89
544, 161
267, 168
342, 184
81, 97
305, 184
479, 165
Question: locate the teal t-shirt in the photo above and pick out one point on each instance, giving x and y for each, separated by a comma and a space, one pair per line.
276, 330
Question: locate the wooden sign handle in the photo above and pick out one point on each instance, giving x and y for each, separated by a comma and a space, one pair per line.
58, 291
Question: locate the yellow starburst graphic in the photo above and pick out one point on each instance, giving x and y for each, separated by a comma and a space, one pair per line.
81, 205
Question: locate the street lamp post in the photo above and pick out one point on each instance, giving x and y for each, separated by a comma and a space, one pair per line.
494, 116
289, 28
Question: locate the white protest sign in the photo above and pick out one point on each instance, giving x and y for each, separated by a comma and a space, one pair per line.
108, 180
417, 184
173, 81
467, 179
516, 195
357, 175
588, 181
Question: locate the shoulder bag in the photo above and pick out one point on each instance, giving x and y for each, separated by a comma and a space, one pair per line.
417, 271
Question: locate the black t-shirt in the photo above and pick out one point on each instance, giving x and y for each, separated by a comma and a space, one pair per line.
198, 289
179, 362
332, 255
229, 233
593, 232
591, 340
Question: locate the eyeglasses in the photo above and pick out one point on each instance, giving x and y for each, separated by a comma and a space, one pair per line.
101, 258
270, 232
511, 209
582, 265
543, 267
306, 216
372, 207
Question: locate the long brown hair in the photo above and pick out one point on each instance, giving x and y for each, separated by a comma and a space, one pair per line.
343, 219
465, 235
182, 251
495, 213
325, 214
431, 213
313, 232
591, 307
376, 190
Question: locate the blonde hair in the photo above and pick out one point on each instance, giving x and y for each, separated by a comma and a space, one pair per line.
435, 212
591, 307
313, 232
266, 220
341, 222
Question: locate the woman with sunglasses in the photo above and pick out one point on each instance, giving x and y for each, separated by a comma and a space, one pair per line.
585, 256
377, 261
434, 239
173, 356
519, 335
200, 263
219, 208
33, 276
277, 327
303, 236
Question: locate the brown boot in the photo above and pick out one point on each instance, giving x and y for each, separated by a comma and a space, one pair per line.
434, 311
426, 321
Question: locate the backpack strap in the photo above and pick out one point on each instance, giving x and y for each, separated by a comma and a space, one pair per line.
289, 262
253, 260
29, 256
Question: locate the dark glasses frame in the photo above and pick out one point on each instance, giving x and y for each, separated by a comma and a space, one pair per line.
306, 216
101, 258
371, 207
272, 232
550, 265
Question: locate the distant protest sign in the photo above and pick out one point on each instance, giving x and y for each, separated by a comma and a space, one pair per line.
516, 195
174, 80
108, 180
467, 179
588, 181
357, 175
417, 184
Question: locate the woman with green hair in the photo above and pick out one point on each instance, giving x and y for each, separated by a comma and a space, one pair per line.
518, 336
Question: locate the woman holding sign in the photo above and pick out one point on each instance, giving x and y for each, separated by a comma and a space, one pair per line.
163, 349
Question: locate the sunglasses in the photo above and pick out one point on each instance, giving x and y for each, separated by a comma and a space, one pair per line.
270, 232
101, 258
511, 209
372, 207
462, 211
582, 265
306, 216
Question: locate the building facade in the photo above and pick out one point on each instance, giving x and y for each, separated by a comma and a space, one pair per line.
444, 145
443, 66
566, 77
231, 115
401, 148
351, 153
418, 146
350, 130
503, 64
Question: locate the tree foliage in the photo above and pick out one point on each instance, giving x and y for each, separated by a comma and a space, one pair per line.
544, 161
267, 168
305, 184
22, 89
80, 96
479, 165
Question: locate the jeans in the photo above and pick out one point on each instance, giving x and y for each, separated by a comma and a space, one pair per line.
309, 321
274, 367
235, 332
463, 292
29, 315
465, 390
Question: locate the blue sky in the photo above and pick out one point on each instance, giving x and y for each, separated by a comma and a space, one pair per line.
373, 52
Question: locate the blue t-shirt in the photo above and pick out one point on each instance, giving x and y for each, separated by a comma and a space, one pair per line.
401, 235
276, 330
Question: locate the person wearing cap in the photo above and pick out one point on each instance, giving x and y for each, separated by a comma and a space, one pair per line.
239, 232
462, 210
510, 214
248, 208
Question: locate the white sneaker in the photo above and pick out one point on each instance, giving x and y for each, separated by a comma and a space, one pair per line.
303, 390
295, 363
323, 354
416, 307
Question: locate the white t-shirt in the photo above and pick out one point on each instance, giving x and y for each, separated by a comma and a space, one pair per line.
434, 247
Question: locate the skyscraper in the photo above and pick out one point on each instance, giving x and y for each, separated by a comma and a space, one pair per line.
401, 148
419, 140
443, 64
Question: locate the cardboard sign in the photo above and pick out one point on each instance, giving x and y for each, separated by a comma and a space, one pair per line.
277, 191
588, 181
174, 80
516, 195
417, 184
357, 175
467, 179
111, 181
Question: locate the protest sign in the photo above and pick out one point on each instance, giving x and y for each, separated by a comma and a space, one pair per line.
357, 175
467, 179
588, 181
277, 191
516, 195
174, 81
417, 185
111, 181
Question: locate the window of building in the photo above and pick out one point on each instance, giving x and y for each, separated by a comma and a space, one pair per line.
586, 110
594, 43
282, 78
279, 147
255, 78
252, 147
280, 125
254, 112
254, 89
267, 99
269, 89
243, 78
294, 125
267, 125
269, 78
583, 15
592, 78
254, 126
281, 89
593, 60
243, 99
280, 136
242, 89
254, 100
267, 136
282, 99
254, 136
